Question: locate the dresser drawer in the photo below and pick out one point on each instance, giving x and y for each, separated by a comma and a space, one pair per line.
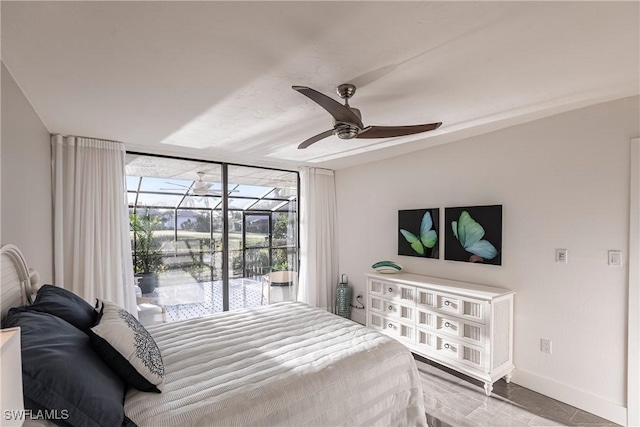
400, 330
392, 327
432, 300
450, 348
400, 293
474, 333
401, 311
391, 308
451, 304
393, 291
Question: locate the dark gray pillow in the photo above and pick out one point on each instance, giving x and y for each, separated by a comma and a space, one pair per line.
65, 305
61, 372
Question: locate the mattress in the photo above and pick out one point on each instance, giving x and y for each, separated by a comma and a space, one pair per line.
286, 364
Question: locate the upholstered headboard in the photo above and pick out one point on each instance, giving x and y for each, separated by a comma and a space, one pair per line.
15, 285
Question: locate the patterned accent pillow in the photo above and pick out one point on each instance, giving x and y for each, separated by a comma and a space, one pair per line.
127, 347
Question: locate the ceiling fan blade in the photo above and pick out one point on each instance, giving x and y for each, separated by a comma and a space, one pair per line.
333, 107
315, 139
372, 76
177, 185
392, 131
205, 192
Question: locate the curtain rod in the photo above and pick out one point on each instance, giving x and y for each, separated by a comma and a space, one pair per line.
86, 137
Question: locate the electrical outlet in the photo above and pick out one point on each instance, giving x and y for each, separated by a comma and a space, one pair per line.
545, 345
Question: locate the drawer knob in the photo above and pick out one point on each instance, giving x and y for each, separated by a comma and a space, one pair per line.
447, 346
390, 289
390, 308
447, 324
447, 303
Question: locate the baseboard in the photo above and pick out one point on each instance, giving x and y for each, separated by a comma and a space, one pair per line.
572, 396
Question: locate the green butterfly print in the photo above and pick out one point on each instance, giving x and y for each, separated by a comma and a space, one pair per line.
469, 233
428, 237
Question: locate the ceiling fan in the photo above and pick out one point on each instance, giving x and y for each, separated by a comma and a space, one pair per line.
347, 121
198, 188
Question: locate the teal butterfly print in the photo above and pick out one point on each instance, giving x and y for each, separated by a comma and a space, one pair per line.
426, 237
470, 235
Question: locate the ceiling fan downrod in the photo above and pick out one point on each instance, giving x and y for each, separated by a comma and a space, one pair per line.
347, 130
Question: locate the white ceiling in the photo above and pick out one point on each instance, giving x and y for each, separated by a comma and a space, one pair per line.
212, 80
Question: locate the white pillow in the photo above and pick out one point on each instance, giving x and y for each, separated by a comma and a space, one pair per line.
127, 347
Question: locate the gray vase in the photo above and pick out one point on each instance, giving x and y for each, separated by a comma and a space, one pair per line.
147, 282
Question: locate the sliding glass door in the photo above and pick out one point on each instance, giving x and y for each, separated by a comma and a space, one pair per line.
202, 260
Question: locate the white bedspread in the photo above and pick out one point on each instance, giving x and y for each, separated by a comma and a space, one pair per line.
285, 364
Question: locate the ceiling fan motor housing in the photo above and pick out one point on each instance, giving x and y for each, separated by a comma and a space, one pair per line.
346, 131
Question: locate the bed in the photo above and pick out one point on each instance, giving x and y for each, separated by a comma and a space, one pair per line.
287, 364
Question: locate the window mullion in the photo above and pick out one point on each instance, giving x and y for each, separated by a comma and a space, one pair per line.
225, 239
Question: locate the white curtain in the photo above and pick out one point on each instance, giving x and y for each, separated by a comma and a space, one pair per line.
318, 238
92, 248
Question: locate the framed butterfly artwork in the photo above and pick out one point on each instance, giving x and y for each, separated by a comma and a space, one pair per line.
473, 234
418, 233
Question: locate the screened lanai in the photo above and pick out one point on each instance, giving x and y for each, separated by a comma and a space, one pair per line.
182, 213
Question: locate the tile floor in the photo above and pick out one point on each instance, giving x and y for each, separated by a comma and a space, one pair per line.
453, 400
186, 301
183, 301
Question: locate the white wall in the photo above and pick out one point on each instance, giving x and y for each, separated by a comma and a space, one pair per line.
25, 183
563, 182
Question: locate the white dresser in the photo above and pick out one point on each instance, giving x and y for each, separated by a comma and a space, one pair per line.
464, 326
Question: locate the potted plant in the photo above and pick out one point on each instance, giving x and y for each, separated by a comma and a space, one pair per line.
147, 256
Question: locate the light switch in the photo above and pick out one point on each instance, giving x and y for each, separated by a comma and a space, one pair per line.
561, 256
615, 258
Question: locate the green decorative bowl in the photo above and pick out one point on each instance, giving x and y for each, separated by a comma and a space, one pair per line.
387, 267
